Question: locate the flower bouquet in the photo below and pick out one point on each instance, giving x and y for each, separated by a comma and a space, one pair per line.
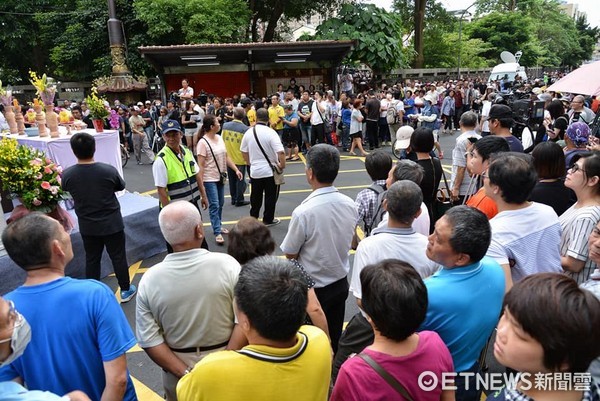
5, 95
46, 88
34, 179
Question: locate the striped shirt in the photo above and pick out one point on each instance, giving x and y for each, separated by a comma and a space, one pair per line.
577, 225
527, 239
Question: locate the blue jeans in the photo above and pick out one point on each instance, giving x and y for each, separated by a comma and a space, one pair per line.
237, 187
216, 198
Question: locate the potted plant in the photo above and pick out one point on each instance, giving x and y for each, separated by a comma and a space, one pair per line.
98, 111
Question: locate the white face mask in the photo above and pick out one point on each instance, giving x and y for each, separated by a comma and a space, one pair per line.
19, 340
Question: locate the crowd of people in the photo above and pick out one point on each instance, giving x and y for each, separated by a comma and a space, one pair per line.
513, 261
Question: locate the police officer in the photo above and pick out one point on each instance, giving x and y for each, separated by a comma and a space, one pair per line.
176, 173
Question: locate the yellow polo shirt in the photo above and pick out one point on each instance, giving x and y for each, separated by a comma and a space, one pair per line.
274, 114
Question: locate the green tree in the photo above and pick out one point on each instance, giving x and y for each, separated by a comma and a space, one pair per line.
271, 12
169, 22
510, 31
377, 32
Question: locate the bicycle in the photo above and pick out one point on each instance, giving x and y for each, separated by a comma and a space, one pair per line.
124, 155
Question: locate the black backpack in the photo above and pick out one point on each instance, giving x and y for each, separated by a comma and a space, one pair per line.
377, 216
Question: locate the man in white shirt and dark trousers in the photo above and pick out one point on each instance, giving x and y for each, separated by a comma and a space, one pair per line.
261, 168
320, 235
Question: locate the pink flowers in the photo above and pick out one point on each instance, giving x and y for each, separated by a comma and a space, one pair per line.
35, 162
36, 202
54, 189
48, 169
46, 185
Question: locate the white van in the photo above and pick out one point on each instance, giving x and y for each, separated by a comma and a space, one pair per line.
510, 68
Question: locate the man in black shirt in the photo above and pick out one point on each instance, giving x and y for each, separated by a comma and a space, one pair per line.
373, 107
92, 186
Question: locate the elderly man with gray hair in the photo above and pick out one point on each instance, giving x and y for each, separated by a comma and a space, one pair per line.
579, 112
320, 235
461, 181
184, 307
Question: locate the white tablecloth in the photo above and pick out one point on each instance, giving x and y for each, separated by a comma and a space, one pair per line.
59, 149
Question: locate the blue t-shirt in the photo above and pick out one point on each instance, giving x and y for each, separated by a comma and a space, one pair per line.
346, 116
76, 325
464, 308
290, 118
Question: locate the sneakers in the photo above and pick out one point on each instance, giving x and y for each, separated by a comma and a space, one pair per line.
273, 223
242, 203
126, 296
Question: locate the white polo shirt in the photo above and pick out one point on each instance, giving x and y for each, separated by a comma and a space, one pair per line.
404, 244
270, 142
320, 232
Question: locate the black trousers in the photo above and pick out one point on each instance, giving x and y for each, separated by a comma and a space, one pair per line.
318, 134
372, 134
115, 246
333, 301
357, 336
264, 187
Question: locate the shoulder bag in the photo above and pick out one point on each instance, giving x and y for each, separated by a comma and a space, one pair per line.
443, 198
277, 172
326, 123
389, 379
222, 176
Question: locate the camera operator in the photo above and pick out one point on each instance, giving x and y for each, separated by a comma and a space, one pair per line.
345, 80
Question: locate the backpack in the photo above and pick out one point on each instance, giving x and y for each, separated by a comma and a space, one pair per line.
378, 215
391, 115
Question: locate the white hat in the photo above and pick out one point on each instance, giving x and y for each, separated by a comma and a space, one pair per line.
135, 108
140, 104
429, 98
403, 136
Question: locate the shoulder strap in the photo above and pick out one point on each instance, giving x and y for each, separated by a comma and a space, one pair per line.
261, 148
213, 154
443, 173
319, 111
376, 188
386, 376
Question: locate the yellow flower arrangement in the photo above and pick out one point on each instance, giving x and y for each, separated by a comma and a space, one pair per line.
30, 176
98, 110
46, 88
5, 95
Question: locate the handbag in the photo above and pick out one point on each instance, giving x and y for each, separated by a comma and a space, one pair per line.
326, 123
222, 176
389, 379
278, 176
443, 198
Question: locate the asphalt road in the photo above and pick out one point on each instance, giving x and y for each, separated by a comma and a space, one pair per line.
351, 179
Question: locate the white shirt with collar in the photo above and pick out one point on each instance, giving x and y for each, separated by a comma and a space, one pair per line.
320, 232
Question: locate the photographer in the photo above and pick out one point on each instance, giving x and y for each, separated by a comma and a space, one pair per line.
345, 81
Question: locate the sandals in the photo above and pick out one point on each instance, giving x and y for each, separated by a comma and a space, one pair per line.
224, 231
352, 153
219, 240
294, 159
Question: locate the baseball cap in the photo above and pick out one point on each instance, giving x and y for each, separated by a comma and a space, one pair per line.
140, 104
429, 98
170, 125
246, 101
500, 111
578, 133
148, 102
403, 136
135, 108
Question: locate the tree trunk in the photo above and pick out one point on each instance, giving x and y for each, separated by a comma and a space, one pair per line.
273, 19
253, 34
419, 25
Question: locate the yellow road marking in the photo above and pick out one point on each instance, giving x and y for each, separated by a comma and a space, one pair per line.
135, 348
144, 392
302, 158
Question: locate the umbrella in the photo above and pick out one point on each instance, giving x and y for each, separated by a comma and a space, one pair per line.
585, 81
